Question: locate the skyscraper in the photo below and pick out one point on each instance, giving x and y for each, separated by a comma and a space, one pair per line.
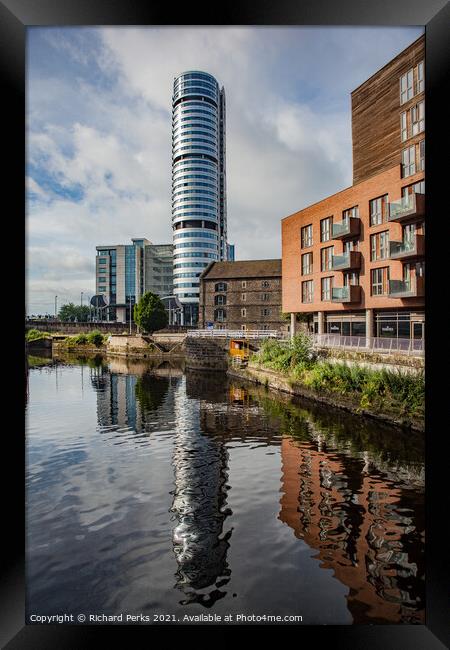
199, 213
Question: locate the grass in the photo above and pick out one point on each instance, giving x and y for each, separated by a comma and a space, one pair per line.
36, 335
388, 390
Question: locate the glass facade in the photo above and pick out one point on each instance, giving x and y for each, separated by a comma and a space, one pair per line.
198, 181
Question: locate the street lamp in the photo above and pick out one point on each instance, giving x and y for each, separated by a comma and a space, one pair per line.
56, 308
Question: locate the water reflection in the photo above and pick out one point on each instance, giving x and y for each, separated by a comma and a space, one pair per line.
196, 489
200, 543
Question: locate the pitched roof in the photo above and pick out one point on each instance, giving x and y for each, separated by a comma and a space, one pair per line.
242, 269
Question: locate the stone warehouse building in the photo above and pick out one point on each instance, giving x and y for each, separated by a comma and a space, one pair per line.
354, 262
243, 295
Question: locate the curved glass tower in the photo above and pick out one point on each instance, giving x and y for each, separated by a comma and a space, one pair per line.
199, 218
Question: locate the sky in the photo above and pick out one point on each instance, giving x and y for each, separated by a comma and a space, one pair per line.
99, 134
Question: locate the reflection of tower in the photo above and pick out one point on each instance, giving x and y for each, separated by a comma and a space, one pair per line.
353, 521
199, 503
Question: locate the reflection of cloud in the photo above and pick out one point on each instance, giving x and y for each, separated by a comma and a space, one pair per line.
99, 121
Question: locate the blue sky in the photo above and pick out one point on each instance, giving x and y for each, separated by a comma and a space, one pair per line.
99, 134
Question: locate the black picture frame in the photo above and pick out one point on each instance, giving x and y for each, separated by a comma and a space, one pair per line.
15, 17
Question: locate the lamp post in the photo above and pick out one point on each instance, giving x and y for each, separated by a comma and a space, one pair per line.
56, 308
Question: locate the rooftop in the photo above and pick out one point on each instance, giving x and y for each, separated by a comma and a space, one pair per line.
242, 269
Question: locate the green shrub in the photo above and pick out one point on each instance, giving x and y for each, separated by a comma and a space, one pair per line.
35, 335
96, 338
80, 339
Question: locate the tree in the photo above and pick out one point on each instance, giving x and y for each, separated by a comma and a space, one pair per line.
150, 313
71, 312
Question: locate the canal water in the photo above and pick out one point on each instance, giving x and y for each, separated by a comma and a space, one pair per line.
158, 491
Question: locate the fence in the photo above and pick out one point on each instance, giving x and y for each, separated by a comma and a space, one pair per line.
413, 347
235, 334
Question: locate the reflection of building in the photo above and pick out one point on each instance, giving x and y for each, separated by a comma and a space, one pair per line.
355, 261
244, 295
125, 272
201, 474
352, 519
125, 399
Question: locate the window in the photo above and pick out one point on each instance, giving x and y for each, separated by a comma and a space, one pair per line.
102, 271
351, 277
326, 258
327, 283
421, 155
418, 118
412, 121
350, 213
413, 159
325, 228
404, 126
415, 188
265, 312
243, 296
102, 260
265, 296
378, 210
244, 284
307, 263
265, 284
220, 300
307, 291
243, 327
406, 86
351, 245
243, 312
420, 77
306, 236
379, 281
409, 233
102, 289
379, 246
220, 315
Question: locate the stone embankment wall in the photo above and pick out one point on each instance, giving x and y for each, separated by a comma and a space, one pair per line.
162, 345
277, 381
374, 361
206, 354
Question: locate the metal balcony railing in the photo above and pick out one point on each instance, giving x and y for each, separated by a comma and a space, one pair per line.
349, 260
347, 228
350, 293
408, 248
412, 347
408, 206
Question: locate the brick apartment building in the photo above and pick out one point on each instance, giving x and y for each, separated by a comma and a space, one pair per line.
244, 295
355, 260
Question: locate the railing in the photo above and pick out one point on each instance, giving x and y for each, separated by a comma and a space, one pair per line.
344, 228
413, 347
349, 260
402, 247
407, 205
349, 293
235, 334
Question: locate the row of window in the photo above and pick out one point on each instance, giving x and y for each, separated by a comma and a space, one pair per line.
379, 282
222, 299
189, 265
222, 286
412, 82
195, 234
212, 256
196, 244
378, 213
221, 314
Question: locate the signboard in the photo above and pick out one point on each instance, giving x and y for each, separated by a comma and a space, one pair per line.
209, 325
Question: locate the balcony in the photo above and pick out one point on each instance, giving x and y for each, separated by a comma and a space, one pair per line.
408, 207
348, 228
346, 261
350, 293
409, 249
414, 288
